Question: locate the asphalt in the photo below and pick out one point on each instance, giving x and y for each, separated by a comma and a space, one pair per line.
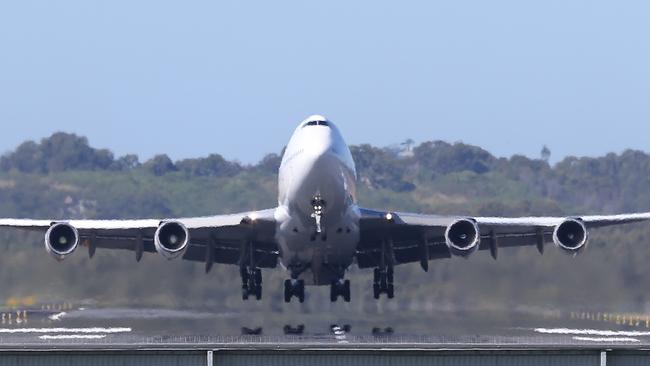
146, 328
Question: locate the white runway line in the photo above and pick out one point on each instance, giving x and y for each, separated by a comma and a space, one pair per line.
592, 332
64, 330
606, 339
57, 316
73, 336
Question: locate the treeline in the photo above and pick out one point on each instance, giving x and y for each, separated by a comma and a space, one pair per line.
603, 183
62, 176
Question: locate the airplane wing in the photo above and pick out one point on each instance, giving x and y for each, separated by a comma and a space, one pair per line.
392, 238
228, 239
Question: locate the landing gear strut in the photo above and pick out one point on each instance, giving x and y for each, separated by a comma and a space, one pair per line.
340, 288
318, 204
251, 282
383, 283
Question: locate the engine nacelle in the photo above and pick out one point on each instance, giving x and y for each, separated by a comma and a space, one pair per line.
171, 239
571, 235
463, 237
61, 239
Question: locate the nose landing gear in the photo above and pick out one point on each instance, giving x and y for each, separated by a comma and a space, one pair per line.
318, 204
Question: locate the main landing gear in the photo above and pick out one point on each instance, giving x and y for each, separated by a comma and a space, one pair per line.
341, 288
251, 282
383, 283
293, 288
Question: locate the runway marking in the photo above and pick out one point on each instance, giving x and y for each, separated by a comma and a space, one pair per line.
73, 336
592, 332
57, 316
65, 330
606, 339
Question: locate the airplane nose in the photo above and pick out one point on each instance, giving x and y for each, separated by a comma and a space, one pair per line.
317, 149
319, 143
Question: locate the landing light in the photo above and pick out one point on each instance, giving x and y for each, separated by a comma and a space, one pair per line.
389, 216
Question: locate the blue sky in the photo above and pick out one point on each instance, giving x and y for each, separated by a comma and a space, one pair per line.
189, 78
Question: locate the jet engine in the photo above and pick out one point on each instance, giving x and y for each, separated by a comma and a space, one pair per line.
571, 235
61, 239
463, 237
171, 239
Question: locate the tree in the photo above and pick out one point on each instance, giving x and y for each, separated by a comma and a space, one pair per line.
160, 165
59, 152
545, 153
214, 166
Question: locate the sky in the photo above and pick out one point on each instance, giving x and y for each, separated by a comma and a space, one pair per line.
190, 78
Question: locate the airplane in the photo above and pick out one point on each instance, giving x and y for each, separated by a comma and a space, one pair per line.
318, 230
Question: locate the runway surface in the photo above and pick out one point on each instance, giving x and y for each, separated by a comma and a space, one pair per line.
95, 327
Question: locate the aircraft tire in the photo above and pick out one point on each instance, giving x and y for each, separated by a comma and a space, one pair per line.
258, 276
375, 291
287, 290
346, 291
301, 290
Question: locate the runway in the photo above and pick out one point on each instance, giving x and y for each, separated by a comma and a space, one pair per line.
149, 328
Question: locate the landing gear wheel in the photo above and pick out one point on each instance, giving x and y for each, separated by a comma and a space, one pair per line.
287, 290
258, 276
383, 283
346, 291
375, 291
294, 288
340, 288
251, 283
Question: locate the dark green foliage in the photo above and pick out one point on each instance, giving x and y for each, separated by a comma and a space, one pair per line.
212, 166
269, 164
379, 168
439, 158
160, 165
59, 152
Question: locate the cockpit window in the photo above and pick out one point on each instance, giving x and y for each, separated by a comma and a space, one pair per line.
316, 123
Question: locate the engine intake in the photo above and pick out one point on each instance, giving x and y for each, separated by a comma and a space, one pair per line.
61, 239
171, 239
571, 235
463, 237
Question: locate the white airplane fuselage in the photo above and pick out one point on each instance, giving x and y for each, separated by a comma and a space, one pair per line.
317, 178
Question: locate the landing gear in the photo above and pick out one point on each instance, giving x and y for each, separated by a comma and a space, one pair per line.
340, 288
295, 288
251, 282
318, 205
383, 283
